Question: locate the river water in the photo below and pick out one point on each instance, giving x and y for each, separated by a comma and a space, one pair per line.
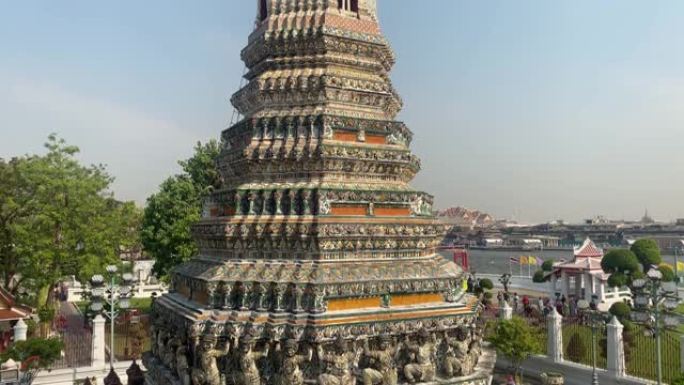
497, 261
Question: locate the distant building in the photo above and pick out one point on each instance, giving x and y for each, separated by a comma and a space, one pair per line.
526, 243
464, 217
646, 219
493, 242
548, 241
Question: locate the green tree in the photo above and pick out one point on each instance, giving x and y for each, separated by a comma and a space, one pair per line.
486, 284
17, 204
621, 264
647, 252
548, 265
34, 355
667, 272
516, 340
59, 219
538, 276
170, 213
621, 310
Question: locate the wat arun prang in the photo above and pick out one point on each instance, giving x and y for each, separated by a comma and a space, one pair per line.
317, 261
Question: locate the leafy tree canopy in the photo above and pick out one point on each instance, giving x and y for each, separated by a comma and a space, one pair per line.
538, 276
548, 265
621, 264
516, 340
667, 272
59, 218
34, 355
647, 252
170, 213
620, 310
486, 284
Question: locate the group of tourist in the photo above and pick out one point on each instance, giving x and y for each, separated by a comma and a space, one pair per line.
539, 306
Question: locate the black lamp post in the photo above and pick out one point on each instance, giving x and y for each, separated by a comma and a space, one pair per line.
654, 302
595, 317
505, 280
109, 297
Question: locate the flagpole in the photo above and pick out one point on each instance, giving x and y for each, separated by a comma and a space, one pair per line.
529, 267
520, 265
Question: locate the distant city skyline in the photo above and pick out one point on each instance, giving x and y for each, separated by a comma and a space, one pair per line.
529, 110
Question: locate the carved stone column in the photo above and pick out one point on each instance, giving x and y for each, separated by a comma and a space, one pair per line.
227, 296
306, 202
293, 202
278, 294
278, 201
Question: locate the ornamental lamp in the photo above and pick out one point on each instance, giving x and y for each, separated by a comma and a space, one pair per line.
97, 280
641, 300
128, 278
671, 321
671, 304
669, 287
96, 306
654, 274
640, 316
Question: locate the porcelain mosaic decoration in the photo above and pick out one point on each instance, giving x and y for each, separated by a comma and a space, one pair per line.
317, 260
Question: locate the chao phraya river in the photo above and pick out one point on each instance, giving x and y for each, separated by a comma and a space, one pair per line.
497, 261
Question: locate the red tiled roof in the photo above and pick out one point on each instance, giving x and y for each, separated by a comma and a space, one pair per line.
589, 250
12, 315
12, 311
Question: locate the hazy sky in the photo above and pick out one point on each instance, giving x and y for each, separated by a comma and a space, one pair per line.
533, 109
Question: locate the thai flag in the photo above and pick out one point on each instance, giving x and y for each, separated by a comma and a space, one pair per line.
514, 260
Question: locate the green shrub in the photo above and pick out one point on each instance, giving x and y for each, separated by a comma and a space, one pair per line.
486, 284
577, 349
667, 272
548, 265
620, 310
647, 252
538, 276
618, 262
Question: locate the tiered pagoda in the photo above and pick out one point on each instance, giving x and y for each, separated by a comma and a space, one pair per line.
317, 260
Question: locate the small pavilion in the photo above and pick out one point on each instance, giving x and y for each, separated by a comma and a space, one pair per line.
10, 314
583, 277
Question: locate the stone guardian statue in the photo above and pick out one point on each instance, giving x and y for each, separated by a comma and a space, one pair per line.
337, 365
423, 368
382, 370
207, 372
289, 372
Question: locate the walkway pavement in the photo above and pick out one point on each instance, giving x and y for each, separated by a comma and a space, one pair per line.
77, 339
575, 374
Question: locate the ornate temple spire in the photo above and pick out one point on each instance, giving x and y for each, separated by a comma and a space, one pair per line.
315, 234
318, 57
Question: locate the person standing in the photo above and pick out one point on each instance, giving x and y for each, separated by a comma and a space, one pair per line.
516, 302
